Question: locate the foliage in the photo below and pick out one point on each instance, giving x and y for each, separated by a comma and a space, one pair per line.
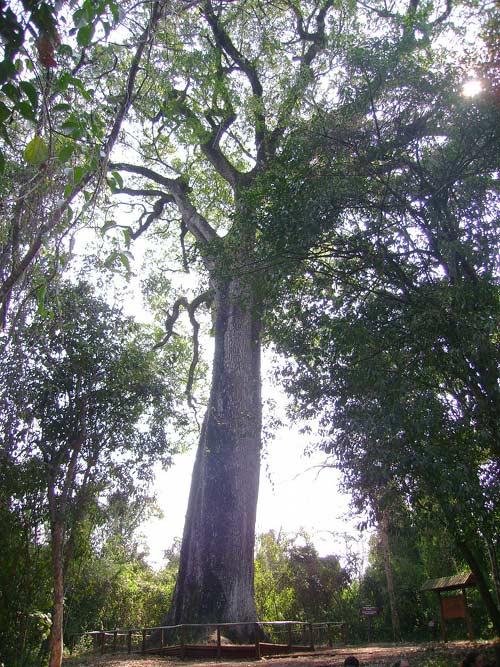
292, 582
321, 155
87, 409
400, 296
111, 585
63, 99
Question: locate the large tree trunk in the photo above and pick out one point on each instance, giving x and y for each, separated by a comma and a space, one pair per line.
215, 581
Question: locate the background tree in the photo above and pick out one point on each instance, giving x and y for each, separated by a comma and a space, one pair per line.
394, 329
89, 407
63, 100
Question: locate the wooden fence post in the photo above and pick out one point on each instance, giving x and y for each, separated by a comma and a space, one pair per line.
115, 640
289, 629
183, 642
311, 636
144, 641
162, 644
129, 641
103, 642
257, 641
219, 650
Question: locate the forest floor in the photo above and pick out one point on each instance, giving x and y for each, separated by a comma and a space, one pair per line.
383, 655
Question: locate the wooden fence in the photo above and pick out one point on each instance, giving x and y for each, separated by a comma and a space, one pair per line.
270, 638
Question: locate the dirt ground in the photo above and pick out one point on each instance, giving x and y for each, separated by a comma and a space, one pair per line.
371, 655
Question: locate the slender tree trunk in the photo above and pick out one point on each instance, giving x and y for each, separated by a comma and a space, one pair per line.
384, 538
495, 570
482, 583
216, 573
56, 632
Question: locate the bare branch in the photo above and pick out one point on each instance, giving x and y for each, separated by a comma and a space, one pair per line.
158, 207
190, 307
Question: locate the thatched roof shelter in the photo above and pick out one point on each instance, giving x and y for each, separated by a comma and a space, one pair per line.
457, 581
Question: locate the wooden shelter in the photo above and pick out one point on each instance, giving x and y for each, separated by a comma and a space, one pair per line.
452, 606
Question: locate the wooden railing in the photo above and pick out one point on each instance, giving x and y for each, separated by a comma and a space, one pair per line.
270, 638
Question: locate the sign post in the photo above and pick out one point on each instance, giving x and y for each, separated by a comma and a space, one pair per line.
369, 612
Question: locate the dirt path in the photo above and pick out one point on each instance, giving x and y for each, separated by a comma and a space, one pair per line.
371, 655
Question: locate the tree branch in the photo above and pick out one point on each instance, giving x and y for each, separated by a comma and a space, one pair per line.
190, 307
61, 209
195, 223
316, 43
225, 43
158, 207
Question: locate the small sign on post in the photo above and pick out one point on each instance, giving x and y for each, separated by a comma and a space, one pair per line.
369, 612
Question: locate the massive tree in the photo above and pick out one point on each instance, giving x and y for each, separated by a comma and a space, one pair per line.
225, 84
219, 89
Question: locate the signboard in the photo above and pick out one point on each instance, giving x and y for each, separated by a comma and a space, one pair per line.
453, 607
370, 611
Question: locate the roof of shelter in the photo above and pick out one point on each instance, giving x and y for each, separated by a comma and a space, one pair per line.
450, 583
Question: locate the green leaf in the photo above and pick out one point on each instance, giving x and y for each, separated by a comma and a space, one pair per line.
26, 111
36, 151
80, 18
61, 107
84, 35
65, 50
78, 83
78, 173
115, 11
72, 127
5, 135
2, 162
118, 178
109, 224
65, 151
127, 236
110, 260
4, 112
63, 82
11, 91
123, 256
7, 70
40, 300
31, 93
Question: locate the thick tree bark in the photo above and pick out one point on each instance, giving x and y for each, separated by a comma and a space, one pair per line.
215, 581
